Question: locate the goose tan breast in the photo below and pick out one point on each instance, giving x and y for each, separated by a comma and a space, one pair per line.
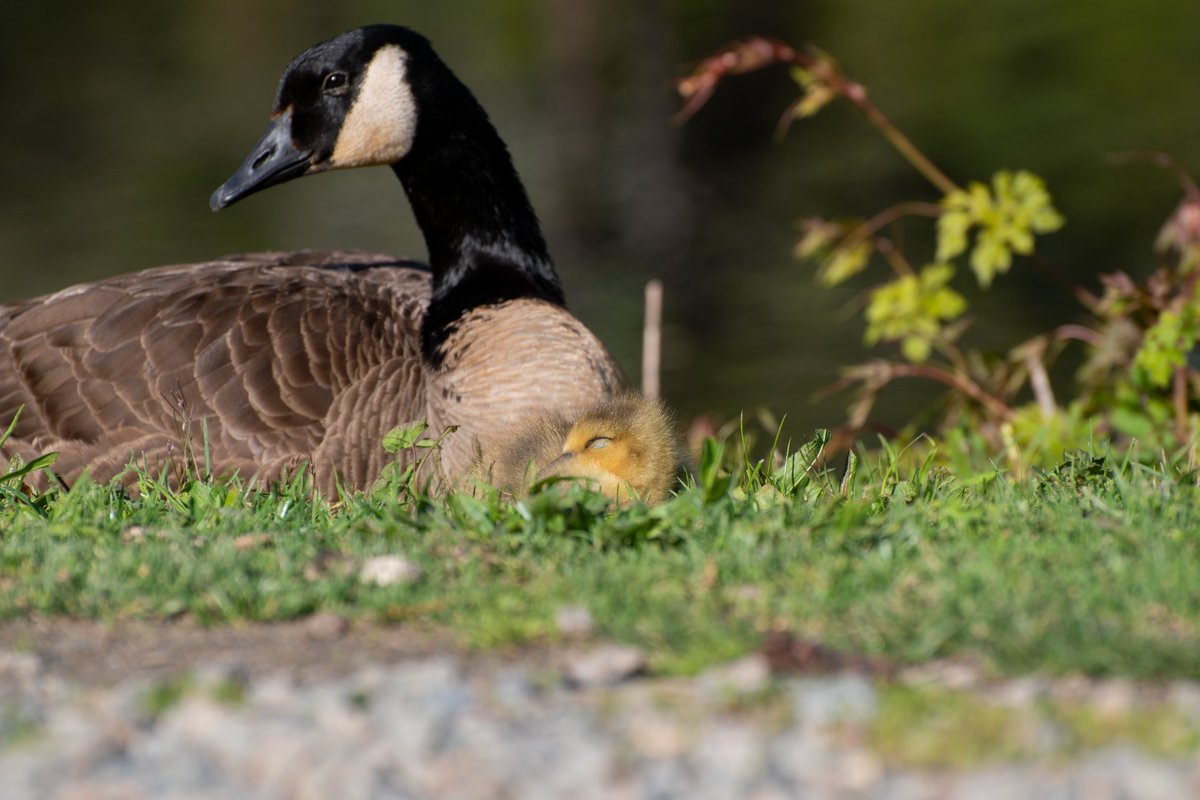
509, 361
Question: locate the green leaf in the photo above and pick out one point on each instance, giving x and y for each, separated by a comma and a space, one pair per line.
850, 476
814, 100
714, 485
1132, 422
913, 309
1165, 347
1030, 195
952, 227
1007, 215
12, 426
403, 437
915, 348
816, 236
804, 78
990, 257
797, 468
845, 262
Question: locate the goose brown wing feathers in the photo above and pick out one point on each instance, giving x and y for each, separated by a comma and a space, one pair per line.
253, 350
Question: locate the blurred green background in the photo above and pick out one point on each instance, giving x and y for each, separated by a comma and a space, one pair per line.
120, 119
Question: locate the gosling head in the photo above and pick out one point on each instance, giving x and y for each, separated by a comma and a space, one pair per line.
349, 102
626, 447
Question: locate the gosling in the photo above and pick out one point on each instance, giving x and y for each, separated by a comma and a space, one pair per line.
624, 447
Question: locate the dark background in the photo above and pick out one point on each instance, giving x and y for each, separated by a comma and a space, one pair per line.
119, 120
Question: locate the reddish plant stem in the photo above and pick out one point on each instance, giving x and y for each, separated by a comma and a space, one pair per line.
892, 214
856, 93
964, 385
1080, 333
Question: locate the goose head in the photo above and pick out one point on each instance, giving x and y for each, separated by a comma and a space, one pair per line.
348, 102
625, 446
378, 96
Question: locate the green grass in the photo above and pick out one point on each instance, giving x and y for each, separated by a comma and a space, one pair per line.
1092, 568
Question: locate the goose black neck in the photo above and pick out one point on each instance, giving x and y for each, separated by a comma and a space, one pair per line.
484, 241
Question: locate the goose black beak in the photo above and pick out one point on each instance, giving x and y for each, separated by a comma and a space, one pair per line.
273, 160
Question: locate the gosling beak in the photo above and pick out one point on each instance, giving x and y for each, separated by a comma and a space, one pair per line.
273, 160
555, 466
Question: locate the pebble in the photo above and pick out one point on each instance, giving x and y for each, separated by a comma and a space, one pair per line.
604, 665
574, 622
835, 700
748, 675
389, 570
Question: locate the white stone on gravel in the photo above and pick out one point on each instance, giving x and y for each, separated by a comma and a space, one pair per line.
389, 570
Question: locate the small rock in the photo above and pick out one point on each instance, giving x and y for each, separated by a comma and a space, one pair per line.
728, 755
513, 689
389, 570
748, 675
16, 665
654, 737
606, 665
1020, 694
1114, 697
574, 622
845, 698
326, 625
958, 674
769, 793
858, 770
1071, 689
1184, 696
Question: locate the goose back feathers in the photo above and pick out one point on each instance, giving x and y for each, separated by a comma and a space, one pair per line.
279, 359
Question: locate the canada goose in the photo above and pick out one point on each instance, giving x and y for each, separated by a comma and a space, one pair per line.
274, 359
624, 446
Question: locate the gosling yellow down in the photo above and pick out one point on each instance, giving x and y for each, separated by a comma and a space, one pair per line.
625, 447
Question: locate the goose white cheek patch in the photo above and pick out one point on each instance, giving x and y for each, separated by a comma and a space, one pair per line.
380, 126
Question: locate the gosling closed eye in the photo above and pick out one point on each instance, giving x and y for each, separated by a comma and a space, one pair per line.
598, 443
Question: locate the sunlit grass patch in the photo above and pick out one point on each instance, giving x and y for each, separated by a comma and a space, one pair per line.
1087, 568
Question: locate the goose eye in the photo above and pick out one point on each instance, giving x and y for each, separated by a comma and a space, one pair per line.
598, 443
335, 83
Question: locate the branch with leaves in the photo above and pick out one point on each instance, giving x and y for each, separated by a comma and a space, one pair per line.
1137, 379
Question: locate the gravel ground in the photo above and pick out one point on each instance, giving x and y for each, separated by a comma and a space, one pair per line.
327, 710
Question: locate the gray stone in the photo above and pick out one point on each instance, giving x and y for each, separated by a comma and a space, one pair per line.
604, 665
747, 676
846, 698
